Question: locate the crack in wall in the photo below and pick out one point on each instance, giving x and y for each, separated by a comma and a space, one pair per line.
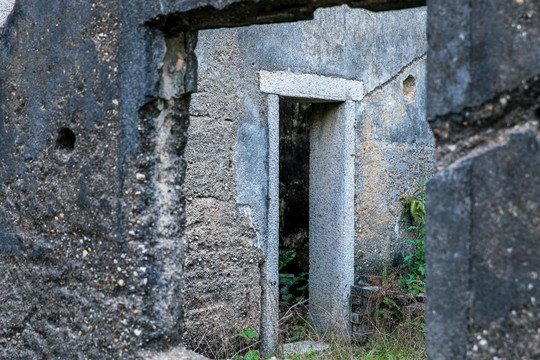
404, 69
477, 128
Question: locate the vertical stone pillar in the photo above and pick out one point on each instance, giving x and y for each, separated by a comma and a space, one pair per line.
331, 215
269, 269
483, 206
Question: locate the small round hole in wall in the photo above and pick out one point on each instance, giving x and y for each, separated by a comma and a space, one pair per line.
65, 139
409, 88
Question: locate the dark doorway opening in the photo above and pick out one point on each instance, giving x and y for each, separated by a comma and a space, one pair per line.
294, 184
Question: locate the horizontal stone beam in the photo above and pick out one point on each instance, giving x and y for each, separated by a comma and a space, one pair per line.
310, 87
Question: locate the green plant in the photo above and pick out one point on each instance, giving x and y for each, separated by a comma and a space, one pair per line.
414, 206
250, 355
405, 342
248, 334
382, 310
286, 258
291, 287
295, 322
389, 310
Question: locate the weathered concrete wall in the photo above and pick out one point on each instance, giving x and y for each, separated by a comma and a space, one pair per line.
227, 147
394, 151
483, 67
89, 255
389, 119
484, 204
91, 168
62, 264
222, 293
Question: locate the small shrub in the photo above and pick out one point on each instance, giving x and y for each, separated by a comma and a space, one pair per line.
248, 334
292, 288
390, 310
414, 206
381, 309
250, 355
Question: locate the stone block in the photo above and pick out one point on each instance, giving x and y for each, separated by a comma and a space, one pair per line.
482, 253
478, 49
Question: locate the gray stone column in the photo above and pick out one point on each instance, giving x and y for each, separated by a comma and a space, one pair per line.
331, 215
269, 269
483, 207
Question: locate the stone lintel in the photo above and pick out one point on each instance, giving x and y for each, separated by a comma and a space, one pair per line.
310, 87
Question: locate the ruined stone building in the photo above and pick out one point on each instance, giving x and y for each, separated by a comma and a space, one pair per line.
264, 90
156, 155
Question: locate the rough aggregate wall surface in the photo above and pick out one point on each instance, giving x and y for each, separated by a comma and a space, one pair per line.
249, 158
475, 61
222, 292
222, 261
59, 197
227, 146
90, 269
394, 151
483, 243
493, 257
86, 272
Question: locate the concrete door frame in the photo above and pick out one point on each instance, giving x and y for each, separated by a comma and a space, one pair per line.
332, 149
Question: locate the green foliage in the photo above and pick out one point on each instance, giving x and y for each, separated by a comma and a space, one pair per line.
250, 355
248, 333
390, 309
406, 341
381, 306
291, 287
414, 206
418, 322
286, 258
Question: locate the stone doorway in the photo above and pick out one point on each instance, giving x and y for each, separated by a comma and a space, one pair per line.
331, 195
